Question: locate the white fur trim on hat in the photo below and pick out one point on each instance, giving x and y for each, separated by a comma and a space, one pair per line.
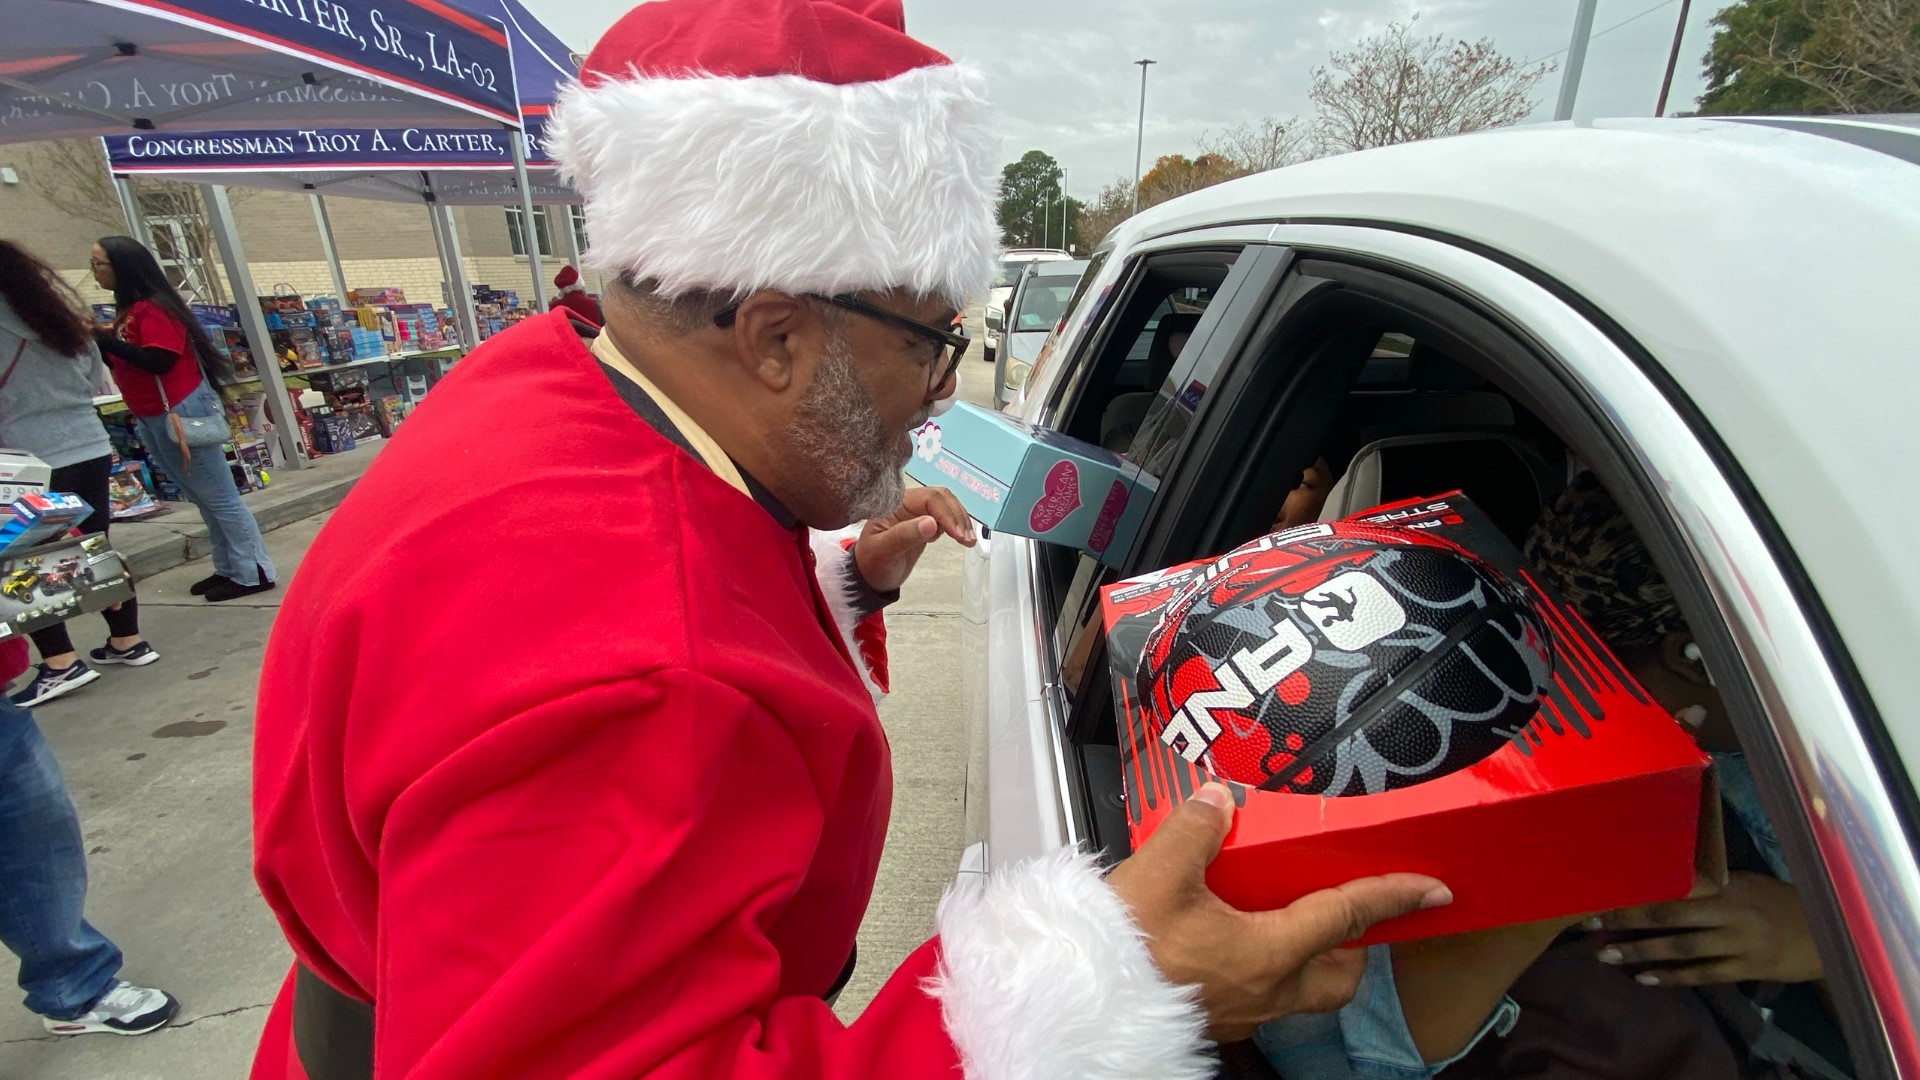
1043, 975
783, 182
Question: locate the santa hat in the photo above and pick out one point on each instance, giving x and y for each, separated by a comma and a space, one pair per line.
566, 279
809, 146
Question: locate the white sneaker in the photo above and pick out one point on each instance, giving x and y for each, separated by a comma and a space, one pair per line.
125, 1010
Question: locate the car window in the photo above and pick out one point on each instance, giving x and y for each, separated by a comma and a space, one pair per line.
1009, 274
1349, 401
1042, 302
1180, 313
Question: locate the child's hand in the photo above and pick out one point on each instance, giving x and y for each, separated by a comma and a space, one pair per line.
1752, 928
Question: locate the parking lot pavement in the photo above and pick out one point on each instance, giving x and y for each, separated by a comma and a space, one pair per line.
158, 761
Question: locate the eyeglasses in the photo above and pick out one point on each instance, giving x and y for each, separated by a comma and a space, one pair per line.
940, 367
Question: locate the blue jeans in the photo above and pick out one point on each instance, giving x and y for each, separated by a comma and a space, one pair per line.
1366, 1039
65, 964
239, 554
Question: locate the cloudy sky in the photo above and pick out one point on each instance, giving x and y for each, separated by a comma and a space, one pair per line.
1061, 75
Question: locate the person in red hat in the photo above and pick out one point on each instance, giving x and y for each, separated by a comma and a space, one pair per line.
573, 297
651, 859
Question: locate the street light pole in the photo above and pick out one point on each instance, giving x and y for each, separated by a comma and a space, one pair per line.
1673, 58
1065, 245
1576, 59
1140, 132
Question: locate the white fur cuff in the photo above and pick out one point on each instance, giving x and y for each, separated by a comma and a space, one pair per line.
1044, 975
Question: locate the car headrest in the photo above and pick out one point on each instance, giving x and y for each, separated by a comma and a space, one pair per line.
1160, 353
1505, 475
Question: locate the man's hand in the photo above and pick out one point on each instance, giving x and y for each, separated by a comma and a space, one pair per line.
1752, 928
1251, 967
889, 547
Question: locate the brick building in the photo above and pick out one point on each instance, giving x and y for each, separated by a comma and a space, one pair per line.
379, 243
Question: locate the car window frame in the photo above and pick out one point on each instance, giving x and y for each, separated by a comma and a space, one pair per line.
1559, 392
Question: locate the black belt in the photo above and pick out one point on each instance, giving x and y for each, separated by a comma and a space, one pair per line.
333, 1033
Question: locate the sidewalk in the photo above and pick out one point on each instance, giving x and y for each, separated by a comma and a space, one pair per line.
158, 544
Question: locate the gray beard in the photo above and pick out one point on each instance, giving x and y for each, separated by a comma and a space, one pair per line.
840, 435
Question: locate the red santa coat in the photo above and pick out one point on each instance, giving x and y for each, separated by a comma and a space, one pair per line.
560, 764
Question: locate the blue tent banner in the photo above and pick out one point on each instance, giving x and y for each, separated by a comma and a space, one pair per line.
312, 149
426, 46
109, 67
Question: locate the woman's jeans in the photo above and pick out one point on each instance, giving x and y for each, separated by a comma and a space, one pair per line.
65, 964
239, 554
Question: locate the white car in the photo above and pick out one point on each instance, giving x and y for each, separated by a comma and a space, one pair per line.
1039, 300
1012, 262
1707, 313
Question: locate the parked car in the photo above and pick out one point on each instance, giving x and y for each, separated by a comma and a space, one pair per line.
1011, 264
1704, 312
1038, 301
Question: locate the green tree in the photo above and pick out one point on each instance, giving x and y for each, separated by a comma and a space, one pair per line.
1814, 56
1029, 200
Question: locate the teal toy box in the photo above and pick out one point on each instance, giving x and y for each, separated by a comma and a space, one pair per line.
1017, 478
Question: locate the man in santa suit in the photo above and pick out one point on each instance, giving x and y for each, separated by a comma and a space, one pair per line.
567, 757
573, 297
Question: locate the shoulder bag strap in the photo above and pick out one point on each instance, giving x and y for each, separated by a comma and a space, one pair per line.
17, 350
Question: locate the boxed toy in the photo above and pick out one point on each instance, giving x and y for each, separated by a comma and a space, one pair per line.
1590, 797
215, 316
298, 350
375, 297
340, 385
57, 581
1014, 477
22, 474
389, 411
130, 492
39, 517
331, 431
283, 302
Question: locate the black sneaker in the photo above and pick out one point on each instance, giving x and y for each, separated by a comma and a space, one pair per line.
48, 684
207, 584
139, 654
233, 590
126, 1010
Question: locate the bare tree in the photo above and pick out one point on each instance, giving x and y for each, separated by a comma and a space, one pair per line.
1863, 57
1397, 86
1268, 144
82, 188
1112, 206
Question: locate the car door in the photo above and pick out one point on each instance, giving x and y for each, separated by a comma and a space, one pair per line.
1018, 801
1827, 777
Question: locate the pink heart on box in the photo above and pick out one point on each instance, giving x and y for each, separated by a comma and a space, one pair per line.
1110, 512
1060, 499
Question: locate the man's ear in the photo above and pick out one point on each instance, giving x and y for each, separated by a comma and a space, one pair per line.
1681, 656
773, 333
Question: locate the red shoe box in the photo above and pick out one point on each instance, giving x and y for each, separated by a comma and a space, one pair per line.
1601, 801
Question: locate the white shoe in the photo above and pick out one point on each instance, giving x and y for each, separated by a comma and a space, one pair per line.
125, 1010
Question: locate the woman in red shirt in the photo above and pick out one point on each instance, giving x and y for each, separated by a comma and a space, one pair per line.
162, 360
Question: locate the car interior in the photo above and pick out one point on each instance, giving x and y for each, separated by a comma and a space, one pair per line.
1399, 404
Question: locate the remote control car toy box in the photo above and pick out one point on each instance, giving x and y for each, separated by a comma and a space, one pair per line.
1594, 800
1017, 478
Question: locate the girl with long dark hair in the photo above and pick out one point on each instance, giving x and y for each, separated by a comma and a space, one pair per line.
164, 362
49, 370
69, 970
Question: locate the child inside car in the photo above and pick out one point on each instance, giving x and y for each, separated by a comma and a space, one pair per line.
1722, 984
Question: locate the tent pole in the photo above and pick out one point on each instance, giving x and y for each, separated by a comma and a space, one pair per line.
129, 202
240, 278
457, 283
573, 238
332, 253
526, 220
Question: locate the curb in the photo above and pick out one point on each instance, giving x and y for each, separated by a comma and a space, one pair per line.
155, 546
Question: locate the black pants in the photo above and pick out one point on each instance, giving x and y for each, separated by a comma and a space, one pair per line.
88, 480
